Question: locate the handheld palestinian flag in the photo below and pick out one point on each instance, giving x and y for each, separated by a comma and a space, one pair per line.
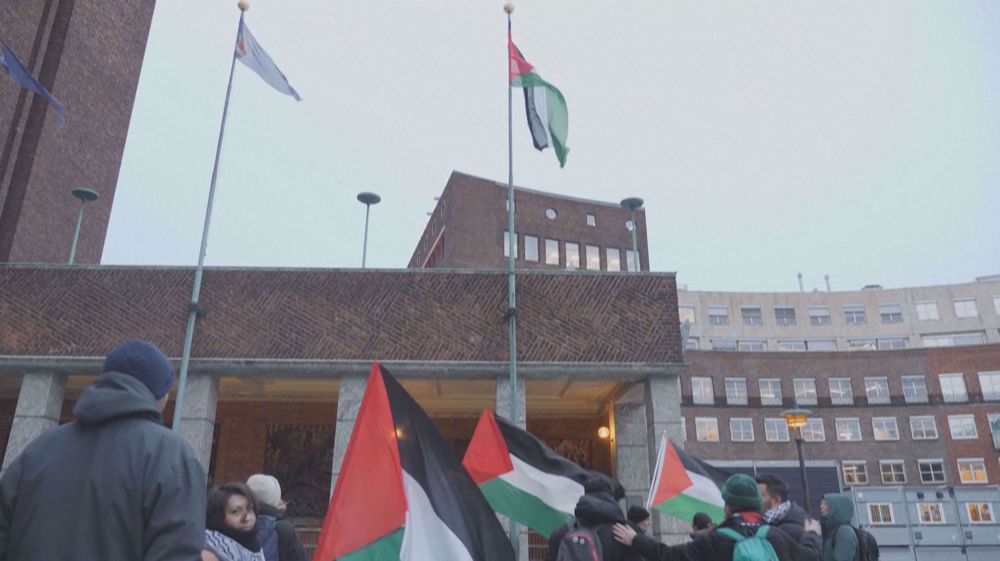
523, 478
684, 485
548, 118
402, 493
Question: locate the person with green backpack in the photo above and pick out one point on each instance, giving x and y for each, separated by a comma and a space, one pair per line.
742, 536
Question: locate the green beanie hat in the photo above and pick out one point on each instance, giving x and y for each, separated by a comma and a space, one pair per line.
741, 491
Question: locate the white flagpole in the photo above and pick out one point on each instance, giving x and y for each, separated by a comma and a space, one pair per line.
244, 5
656, 473
511, 279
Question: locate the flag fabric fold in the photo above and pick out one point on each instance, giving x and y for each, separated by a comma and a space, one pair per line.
10, 63
683, 485
548, 118
254, 57
402, 493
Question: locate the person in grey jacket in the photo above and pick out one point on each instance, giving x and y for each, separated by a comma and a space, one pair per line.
113, 484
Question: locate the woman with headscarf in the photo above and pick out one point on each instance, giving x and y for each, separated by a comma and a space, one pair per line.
229, 525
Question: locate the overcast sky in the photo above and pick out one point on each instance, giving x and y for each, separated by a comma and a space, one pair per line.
859, 139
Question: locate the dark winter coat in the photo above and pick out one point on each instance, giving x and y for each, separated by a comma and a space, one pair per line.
600, 512
840, 543
793, 522
114, 484
714, 546
290, 548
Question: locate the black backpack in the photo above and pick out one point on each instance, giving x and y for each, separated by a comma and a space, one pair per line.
580, 543
867, 545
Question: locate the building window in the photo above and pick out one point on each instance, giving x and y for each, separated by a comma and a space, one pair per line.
530, 248
962, 427
954, 339
996, 305
784, 316
736, 391
506, 244
775, 430
805, 391
989, 383
614, 257
821, 345
752, 346
854, 315
885, 428
593, 258
551, 213
993, 419
701, 391
931, 471
972, 470
893, 472
691, 344
966, 308
927, 311
923, 427
855, 473
930, 513
890, 313
591, 220
770, 391
786, 346
632, 260
718, 315
877, 390
572, 255
880, 514
706, 429
551, 252
723, 344
751, 316
741, 429
848, 430
814, 431
953, 388
915, 389
819, 316
862, 344
892, 343
980, 513
686, 314
840, 391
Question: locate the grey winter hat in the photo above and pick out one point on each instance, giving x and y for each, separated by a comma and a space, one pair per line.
267, 490
144, 362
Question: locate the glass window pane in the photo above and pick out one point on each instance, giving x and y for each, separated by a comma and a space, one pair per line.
989, 383
593, 258
962, 427
741, 430
855, 473
848, 430
685, 314
890, 313
784, 316
614, 259
927, 311
591, 220
819, 316
885, 428
923, 427
701, 390
805, 391
506, 244
877, 390
736, 391
572, 255
530, 248
751, 316
718, 315
770, 391
915, 389
775, 430
854, 315
840, 391
953, 388
551, 252
966, 308
706, 429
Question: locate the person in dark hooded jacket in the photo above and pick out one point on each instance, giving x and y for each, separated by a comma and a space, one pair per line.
113, 484
778, 510
840, 543
743, 504
598, 511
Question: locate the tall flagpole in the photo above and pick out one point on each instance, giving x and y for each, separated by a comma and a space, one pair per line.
200, 269
511, 252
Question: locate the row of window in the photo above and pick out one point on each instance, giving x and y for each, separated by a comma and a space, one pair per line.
914, 389
854, 314
556, 252
882, 514
893, 472
847, 429
856, 344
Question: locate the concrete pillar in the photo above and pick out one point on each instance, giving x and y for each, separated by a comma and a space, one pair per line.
632, 468
352, 389
39, 405
201, 399
503, 409
662, 401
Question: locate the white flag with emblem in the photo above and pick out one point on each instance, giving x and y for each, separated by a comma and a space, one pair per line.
250, 53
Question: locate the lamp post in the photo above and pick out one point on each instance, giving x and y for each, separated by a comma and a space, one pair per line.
367, 199
798, 418
85, 196
632, 204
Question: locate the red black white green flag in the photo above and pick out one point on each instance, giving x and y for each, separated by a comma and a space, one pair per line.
402, 493
684, 485
548, 118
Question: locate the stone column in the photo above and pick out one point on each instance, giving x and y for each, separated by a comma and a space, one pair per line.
39, 405
352, 389
201, 398
662, 402
632, 468
503, 409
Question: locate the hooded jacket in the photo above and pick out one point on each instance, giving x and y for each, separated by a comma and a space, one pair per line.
113, 484
600, 512
290, 548
713, 546
840, 543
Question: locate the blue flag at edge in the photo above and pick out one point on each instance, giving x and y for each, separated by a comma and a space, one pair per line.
20, 74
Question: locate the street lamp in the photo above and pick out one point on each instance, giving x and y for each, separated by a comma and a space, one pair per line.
798, 418
85, 196
367, 199
631, 204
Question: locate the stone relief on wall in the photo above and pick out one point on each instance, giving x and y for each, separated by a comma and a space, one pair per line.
301, 457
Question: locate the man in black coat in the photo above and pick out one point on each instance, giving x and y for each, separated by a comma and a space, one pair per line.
113, 484
743, 504
778, 510
598, 511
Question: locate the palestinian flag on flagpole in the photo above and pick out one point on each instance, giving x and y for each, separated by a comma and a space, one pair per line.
684, 485
402, 493
548, 119
523, 478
